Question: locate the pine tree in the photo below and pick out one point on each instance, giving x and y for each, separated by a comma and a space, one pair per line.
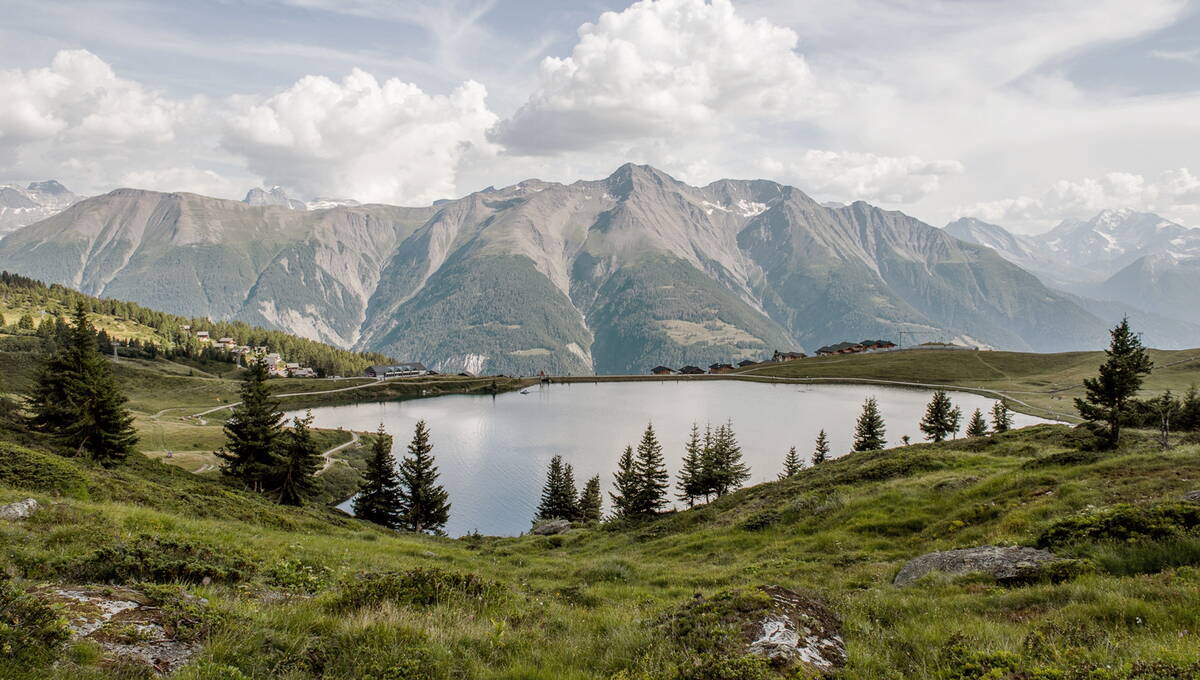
691, 470
625, 483
424, 504
938, 422
1001, 417
590, 501
955, 421
869, 430
653, 478
76, 400
791, 464
977, 426
725, 471
1108, 395
25, 323
378, 497
299, 460
253, 432
821, 448
558, 495
1189, 410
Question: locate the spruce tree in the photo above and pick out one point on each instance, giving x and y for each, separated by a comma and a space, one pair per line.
791, 464
558, 495
378, 497
691, 470
821, 448
424, 504
253, 432
977, 426
869, 430
76, 400
938, 422
1001, 417
590, 501
299, 460
626, 485
728, 472
1108, 395
1189, 410
653, 478
955, 421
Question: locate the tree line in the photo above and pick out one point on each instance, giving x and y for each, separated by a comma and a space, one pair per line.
24, 292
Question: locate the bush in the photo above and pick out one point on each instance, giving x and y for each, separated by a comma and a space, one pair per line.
1124, 523
298, 576
23, 468
760, 520
421, 587
712, 625
160, 559
31, 631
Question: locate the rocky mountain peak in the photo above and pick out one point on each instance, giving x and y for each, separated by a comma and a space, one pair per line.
261, 196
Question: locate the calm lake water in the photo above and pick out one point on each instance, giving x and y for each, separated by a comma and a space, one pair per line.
493, 451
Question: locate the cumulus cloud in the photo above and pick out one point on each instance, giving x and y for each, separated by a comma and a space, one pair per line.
662, 68
387, 142
863, 176
1174, 194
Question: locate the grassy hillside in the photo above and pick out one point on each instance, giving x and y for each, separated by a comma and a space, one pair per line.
289, 594
1045, 382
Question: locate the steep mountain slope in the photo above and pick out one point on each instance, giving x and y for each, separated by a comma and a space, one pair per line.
20, 206
612, 275
1163, 283
1026, 252
1115, 238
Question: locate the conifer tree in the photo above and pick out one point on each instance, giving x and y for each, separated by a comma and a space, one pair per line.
625, 485
558, 495
820, 448
869, 431
253, 432
691, 470
590, 501
1189, 410
955, 421
1107, 396
653, 478
25, 323
938, 422
791, 464
76, 400
728, 472
424, 504
977, 426
378, 497
299, 460
1001, 417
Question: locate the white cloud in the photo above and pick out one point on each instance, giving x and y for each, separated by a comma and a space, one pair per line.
387, 142
863, 176
663, 69
1185, 56
1174, 194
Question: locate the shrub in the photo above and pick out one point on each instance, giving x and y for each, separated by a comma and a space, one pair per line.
298, 576
712, 625
159, 559
23, 468
31, 631
760, 520
422, 587
1124, 523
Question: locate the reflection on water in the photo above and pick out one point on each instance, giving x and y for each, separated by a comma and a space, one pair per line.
493, 451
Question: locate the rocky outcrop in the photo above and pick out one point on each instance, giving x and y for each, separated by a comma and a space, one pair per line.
126, 625
551, 527
1193, 496
19, 510
1007, 564
798, 630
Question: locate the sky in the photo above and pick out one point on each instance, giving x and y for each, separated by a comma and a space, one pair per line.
1018, 112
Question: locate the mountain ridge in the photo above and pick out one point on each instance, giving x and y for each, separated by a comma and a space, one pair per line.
607, 275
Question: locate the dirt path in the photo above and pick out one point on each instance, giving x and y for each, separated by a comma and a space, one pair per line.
328, 455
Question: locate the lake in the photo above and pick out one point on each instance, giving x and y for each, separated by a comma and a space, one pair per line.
493, 451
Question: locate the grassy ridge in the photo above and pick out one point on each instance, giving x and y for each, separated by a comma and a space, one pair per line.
588, 604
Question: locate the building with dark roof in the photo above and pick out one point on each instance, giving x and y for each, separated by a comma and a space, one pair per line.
396, 370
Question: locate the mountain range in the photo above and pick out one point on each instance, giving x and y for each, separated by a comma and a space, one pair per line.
608, 276
20, 206
1136, 259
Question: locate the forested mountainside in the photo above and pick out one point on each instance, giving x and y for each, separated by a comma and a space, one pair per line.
30, 311
607, 276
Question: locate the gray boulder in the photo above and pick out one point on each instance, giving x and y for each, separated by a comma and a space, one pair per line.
1193, 496
798, 630
1004, 563
550, 527
19, 510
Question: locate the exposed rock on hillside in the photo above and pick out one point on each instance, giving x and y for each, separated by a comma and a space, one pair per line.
799, 630
19, 510
1005, 563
